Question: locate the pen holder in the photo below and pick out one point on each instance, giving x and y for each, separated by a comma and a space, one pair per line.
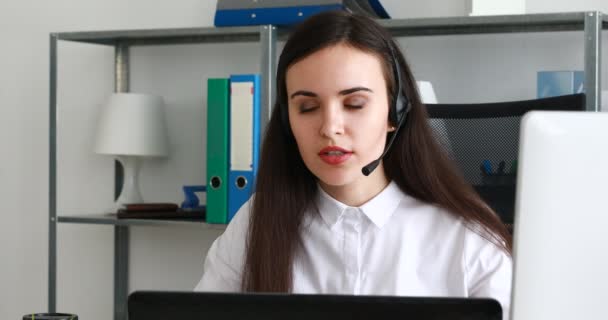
191, 200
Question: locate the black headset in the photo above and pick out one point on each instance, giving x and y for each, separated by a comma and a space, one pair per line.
401, 104
398, 111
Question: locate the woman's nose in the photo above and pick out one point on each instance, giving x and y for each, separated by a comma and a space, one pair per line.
332, 121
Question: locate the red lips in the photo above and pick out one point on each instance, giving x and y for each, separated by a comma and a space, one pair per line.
334, 155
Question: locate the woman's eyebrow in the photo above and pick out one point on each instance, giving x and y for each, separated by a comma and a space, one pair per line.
342, 92
303, 93
355, 89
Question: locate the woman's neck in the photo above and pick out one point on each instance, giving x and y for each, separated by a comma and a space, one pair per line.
358, 192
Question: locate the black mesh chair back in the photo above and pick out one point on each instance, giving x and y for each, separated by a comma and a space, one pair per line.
483, 141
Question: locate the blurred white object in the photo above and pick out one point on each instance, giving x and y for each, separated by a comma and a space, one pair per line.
495, 7
399, 9
131, 126
604, 104
426, 92
560, 253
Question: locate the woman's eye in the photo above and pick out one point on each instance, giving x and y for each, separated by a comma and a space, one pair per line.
352, 106
356, 103
307, 108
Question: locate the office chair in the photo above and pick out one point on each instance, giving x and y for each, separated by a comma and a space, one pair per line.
483, 141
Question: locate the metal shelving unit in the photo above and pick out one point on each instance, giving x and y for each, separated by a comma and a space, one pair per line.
590, 23
122, 41
110, 219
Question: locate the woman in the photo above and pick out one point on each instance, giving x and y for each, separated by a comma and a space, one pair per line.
317, 224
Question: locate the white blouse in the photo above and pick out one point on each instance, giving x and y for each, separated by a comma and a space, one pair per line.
392, 245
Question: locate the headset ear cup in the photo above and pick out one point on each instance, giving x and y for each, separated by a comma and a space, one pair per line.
392, 114
401, 104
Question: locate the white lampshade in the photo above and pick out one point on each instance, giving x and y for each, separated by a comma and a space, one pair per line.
132, 124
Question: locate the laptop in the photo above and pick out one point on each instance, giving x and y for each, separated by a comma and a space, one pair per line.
157, 305
561, 217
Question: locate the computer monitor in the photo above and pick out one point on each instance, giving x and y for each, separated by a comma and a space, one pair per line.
150, 305
561, 218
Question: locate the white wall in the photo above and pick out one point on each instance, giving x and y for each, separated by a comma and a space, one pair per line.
428, 8
539, 6
462, 68
162, 257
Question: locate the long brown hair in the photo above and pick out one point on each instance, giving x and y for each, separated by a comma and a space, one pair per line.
286, 189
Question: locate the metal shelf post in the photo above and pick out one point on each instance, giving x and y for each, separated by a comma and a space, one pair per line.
593, 60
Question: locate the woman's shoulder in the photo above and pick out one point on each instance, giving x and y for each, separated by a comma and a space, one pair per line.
231, 244
430, 215
240, 220
441, 221
478, 243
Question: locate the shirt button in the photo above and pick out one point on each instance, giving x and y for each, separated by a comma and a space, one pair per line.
355, 218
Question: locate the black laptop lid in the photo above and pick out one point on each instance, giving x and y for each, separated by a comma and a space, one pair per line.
156, 305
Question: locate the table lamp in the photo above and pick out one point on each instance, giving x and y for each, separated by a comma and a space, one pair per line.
132, 126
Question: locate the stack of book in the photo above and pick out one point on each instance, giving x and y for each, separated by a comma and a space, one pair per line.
158, 211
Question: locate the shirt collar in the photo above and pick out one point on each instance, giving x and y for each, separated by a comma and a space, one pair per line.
330, 209
378, 210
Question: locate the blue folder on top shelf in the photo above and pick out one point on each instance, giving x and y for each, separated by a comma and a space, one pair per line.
244, 139
287, 12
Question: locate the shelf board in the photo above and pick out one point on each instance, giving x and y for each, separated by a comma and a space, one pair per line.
110, 219
165, 36
570, 21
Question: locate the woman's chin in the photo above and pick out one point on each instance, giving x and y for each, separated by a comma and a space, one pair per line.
336, 179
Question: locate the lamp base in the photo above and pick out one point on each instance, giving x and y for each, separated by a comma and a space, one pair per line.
130, 189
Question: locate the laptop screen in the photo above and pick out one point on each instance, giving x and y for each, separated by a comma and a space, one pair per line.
157, 305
